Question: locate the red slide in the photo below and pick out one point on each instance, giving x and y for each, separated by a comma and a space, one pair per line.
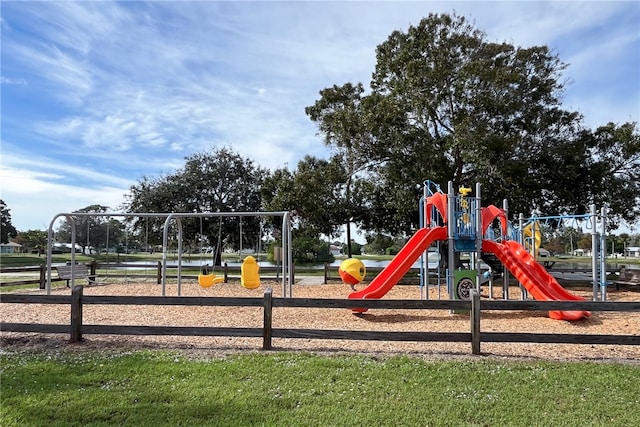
400, 264
536, 280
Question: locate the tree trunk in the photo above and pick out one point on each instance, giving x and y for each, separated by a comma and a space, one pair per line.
349, 239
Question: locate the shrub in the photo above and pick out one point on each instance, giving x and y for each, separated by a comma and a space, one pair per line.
310, 250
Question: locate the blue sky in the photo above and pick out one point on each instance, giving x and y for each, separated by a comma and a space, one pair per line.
96, 95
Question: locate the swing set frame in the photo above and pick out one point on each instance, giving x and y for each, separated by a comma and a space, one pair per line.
70, 217
287, 262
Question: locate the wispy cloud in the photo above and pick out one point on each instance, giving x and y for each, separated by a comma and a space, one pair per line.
10, 81
36, 191
31, 167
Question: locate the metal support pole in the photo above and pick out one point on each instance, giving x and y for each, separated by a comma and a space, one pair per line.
179, 223
285, 256
594, 251
451, 260
165, 244
73, 252
521, 241
290, 256
479, 235
603, 254
424, 260
49, 252
505, 272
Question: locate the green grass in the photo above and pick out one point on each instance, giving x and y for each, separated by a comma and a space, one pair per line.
28, 260
14, 288
587, 260
162, 388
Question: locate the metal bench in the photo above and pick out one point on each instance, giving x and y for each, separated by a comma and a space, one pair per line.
68, 272
627, 277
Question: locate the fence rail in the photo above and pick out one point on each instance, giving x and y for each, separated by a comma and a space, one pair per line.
227, 272
330, 272
77, 300
41, 270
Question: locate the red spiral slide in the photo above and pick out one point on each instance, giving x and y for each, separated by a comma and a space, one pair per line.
536, 280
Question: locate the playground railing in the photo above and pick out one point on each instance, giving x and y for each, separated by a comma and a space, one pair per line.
76, 329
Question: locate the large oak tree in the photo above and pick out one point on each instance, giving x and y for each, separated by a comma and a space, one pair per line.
219, 180
446, 104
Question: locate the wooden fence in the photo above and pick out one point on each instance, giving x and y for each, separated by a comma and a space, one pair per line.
412, 277
117, 270
475, 337
332, 274
41, 270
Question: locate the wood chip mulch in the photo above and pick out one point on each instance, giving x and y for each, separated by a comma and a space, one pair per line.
373, 320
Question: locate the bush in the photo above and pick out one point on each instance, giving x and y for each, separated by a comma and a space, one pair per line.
393, 250
356, 248
310, 250
306, 250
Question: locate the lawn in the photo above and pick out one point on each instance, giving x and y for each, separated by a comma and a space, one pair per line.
62, 388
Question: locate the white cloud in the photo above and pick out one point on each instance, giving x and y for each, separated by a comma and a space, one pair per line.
34, 198
60, 70
32, 168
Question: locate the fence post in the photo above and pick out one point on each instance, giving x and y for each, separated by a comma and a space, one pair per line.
76, 313
268, 318
475, 321
159, 274
326, 272
226, 272
43, 276
93, 267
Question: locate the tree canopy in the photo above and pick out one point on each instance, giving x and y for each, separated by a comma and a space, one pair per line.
7, 230
93, 233
32, 240
219, 180
446, 104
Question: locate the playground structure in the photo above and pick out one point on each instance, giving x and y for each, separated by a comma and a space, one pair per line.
598, 242
71, 218
460, 224
205, 280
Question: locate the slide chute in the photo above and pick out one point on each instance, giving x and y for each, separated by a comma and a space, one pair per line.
400, 264
536, 280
